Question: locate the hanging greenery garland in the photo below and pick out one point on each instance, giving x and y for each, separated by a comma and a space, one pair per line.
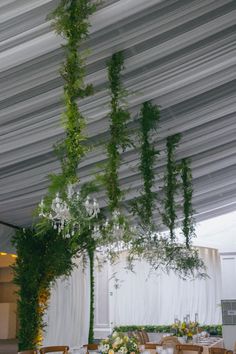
119, 138
188, 228
71, 21
171, 185
144, 205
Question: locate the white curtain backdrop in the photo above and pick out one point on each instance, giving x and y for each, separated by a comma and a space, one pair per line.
145, 298
67, 317
141, 298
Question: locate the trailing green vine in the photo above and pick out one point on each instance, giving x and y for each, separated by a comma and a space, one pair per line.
171, 185
119, 138
71, 21
188, 221
144, 205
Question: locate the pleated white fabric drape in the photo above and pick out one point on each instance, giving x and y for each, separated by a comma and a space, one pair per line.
142, 297
67, 317
145, 298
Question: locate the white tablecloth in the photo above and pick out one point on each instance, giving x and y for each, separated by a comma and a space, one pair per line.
205, 343
211, 342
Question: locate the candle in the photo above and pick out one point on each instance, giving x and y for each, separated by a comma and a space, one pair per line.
196, 317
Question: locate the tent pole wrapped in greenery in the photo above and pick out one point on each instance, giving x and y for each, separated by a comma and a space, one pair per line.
41, 259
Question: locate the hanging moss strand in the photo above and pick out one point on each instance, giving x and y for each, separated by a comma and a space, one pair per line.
188, 221
171, 185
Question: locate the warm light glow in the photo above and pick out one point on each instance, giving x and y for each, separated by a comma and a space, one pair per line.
8, 254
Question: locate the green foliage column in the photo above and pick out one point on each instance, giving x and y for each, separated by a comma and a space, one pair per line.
41, 259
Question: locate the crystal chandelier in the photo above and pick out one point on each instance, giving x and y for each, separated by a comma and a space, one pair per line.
75, 213
112, 226
70, 214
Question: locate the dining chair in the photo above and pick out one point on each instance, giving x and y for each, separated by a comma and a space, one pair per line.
181, 348
28, 352
170, 341
215, 350
90, 347
145, 336
55, 349
152, 345
139, 337
130, 334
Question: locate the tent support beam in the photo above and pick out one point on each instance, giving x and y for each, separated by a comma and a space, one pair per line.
10, 225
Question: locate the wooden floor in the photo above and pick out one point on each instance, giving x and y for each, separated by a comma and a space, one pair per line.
8, 346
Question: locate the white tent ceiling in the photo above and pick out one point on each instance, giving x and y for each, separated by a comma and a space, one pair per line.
179, 53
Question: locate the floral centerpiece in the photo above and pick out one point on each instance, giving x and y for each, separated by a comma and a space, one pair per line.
119, 342
182, 329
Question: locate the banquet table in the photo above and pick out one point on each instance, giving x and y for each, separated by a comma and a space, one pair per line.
209, 343
206, 343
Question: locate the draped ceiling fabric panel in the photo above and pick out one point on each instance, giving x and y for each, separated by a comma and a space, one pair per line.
146, 297
179, 53
67, 317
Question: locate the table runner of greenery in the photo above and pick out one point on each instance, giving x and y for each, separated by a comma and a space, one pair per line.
211, 329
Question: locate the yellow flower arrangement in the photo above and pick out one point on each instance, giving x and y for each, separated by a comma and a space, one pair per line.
181, 329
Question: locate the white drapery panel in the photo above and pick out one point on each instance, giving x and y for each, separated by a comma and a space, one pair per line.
151, 298
67, 317
142, 298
